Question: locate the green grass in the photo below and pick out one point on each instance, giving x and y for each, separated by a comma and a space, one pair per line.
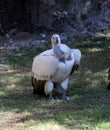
88, 108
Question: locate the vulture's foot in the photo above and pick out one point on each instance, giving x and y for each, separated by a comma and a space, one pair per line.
51, 97
66, 98
51, 100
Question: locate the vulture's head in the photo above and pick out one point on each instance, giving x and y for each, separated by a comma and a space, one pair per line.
55, 39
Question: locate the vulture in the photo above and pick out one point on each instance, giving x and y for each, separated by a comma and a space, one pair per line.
49, 72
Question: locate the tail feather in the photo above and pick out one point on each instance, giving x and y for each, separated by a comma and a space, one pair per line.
38, 86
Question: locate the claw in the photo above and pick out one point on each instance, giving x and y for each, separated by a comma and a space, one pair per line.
66, 98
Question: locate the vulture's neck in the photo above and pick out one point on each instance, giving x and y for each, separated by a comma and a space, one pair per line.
53, 44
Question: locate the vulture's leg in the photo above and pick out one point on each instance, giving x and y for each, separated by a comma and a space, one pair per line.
51, 96
48, 88
64, 86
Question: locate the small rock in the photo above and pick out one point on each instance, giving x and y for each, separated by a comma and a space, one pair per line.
98, 42
84, 32
2, 65
107, 38
43, 35
64, 36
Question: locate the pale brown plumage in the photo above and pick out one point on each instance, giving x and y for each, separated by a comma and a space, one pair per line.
48, 72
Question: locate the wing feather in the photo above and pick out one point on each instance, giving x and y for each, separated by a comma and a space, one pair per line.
58, 52
44, 67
